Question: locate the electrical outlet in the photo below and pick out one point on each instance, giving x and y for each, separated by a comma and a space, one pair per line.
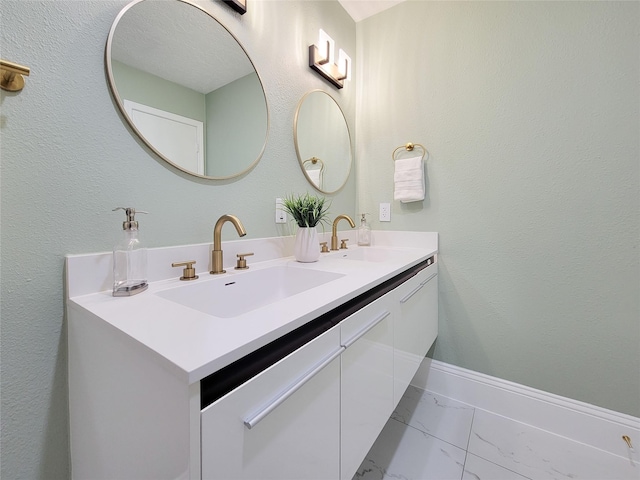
385, 212
281, 215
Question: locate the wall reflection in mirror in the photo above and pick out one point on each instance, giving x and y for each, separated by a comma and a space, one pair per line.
187, 88
323, 141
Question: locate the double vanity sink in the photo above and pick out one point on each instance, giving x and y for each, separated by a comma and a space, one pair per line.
167, 368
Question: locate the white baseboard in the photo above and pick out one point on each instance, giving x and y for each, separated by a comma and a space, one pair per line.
579, 421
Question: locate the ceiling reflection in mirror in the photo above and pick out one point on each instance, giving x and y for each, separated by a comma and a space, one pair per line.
187, 88
323, 141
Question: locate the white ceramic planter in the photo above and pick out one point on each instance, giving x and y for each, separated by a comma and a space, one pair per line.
307, 247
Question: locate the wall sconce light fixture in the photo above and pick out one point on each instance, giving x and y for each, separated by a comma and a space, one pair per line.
322, 60
239, 6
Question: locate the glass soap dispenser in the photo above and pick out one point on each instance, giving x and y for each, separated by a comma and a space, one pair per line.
364, 231
129, 259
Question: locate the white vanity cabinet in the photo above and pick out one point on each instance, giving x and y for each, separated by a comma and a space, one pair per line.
298, 389
283, 423
366, 380
415, 327
315, 413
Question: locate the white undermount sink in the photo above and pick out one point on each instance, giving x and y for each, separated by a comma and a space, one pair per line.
228, 296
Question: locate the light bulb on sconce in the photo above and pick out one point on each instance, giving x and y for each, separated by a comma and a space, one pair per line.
322, 60
344, 65
326, 46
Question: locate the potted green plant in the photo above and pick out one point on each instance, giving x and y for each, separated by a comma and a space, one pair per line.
307, 211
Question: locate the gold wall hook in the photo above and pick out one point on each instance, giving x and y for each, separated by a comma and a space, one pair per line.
627, 439
11, 76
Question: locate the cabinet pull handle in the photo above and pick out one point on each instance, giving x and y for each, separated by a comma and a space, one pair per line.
366, 329
415, 290
255, 419
424, 282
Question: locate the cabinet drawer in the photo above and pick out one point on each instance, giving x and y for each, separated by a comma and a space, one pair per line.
415, 327
366, 380
282, 424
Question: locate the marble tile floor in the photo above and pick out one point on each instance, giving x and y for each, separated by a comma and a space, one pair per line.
430, 437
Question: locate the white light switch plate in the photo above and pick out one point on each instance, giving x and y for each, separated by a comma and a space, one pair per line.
385, 212
281, 215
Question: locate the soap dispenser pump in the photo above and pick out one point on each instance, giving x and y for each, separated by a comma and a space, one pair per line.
364, 231
129, 259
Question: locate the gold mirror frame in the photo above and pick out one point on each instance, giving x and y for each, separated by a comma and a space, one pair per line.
120, 103
323, 160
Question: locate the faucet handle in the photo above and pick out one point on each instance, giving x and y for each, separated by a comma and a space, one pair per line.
324, 248
241, 264
189, 273
343, 244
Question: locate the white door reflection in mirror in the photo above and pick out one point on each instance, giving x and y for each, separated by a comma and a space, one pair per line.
174, 136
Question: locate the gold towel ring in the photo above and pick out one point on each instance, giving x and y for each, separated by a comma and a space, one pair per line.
314, 161
409, 147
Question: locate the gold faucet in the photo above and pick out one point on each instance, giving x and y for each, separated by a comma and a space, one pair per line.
334, 230
216, 255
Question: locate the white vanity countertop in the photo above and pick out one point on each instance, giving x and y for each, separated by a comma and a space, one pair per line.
197, 344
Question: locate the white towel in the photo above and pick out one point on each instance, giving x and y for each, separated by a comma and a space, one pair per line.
409, 180
315, 177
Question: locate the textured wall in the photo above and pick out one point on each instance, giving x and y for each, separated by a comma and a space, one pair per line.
531, 113
68, 159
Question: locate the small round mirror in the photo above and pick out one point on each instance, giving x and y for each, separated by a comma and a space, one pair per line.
323, 141
187, 88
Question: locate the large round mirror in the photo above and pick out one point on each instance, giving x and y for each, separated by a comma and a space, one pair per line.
187, 88
323, 142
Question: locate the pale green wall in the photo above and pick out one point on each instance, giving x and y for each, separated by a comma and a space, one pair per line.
68, 158
531, 113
